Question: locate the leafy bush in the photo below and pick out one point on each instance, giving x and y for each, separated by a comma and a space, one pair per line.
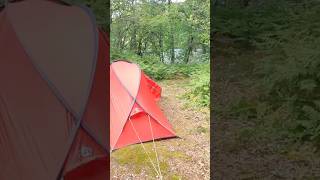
293, 79
287, 34
199, 87
156, 69
290, 72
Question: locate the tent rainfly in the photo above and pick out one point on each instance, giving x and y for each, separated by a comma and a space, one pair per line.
134, 114
53, 93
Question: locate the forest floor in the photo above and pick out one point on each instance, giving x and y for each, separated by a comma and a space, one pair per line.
186, 157
239, 151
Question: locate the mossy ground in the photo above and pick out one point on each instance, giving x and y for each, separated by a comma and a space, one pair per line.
136, 157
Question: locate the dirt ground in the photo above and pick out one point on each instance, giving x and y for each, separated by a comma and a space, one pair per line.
186, 157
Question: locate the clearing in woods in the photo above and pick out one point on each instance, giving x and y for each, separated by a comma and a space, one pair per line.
187, 157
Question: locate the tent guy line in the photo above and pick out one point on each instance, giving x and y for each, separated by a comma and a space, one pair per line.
145, 150
154, 147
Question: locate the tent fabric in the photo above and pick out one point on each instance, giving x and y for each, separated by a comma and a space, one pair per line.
133, 107
53, 100
155, 89
33, 31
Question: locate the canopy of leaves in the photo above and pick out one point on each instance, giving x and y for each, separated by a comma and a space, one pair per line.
158, 27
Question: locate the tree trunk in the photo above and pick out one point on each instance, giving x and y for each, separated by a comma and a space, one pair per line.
245, 3
172, 53
145, 46
133, 40
139, 50
172, 57
204, 48
161, 48
133, 28
188, 50
123, 42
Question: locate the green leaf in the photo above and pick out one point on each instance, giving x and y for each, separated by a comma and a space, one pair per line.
308, 84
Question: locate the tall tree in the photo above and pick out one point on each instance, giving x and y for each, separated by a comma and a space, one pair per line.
158, 27
171, 35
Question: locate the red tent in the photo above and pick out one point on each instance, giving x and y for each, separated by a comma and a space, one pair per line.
53, 100
134, 114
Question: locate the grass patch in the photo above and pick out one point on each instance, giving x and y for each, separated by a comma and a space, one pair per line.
201, 129
136, 159
175, 177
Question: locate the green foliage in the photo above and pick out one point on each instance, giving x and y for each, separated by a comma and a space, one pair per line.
294, 80
100, 9
148, 32
291, 71
244, 109
287, 34
158, 70
158, 27
251, 24
199, 87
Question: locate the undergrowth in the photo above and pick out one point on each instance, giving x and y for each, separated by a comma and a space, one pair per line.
198, 93
287, 34
158, 70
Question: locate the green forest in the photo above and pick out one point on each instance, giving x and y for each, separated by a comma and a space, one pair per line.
268, 51
168, 39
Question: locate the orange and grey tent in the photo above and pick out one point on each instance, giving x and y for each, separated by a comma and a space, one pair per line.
53, 93
135, 116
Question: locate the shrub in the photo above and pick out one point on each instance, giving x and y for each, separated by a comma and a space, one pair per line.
156, 69
287, 34
199, 87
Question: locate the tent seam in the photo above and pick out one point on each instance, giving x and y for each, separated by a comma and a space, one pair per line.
51, 86
94, 26
132, 104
